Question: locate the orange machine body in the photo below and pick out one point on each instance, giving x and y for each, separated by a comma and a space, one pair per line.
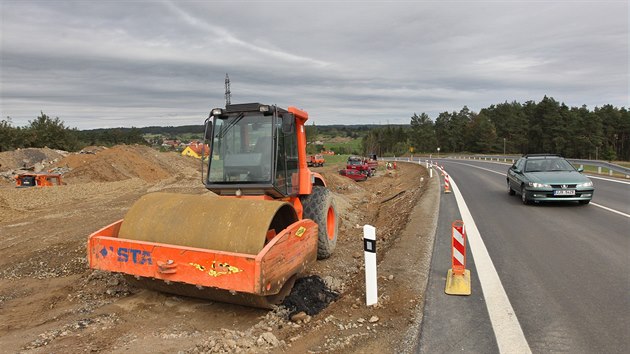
289, 252
315, 160
284, 255
38, 179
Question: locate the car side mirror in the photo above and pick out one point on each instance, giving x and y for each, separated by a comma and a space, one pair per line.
580, 170
516, 170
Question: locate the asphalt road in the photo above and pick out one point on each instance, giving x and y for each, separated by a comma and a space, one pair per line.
564, 267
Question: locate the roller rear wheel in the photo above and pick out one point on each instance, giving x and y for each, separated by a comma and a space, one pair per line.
319, 206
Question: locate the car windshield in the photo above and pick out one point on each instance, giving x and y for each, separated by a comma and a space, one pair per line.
548, 165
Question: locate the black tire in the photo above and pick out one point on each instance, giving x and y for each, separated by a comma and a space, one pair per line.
524, 198
584, 202
319, 206
510, 190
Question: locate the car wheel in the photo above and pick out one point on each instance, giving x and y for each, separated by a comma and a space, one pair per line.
510, 190
524, 196
584, 202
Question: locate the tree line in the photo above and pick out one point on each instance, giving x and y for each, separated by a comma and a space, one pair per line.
512, 128
49, 132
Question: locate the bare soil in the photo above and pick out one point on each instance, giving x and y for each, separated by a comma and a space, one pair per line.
51, 302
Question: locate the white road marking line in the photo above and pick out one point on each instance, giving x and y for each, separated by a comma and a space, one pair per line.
507, 329
608, 179
610, 210
593, 204
481, 168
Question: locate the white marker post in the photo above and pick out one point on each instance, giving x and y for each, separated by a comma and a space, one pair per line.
369, 248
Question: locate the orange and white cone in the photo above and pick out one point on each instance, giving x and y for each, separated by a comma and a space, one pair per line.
458, 277
447, 184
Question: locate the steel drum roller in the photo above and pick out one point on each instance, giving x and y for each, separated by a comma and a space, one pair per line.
206, 221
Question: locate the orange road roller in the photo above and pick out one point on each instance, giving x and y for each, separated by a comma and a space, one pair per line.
265, 218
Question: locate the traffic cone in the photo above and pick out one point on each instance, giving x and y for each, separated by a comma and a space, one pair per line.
458, 277
447, 184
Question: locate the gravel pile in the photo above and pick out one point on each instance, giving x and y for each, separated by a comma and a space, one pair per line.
22, 158
257, 339
28, 160
41, 266
71, 330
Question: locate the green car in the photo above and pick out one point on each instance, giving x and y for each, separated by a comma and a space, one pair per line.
546, 177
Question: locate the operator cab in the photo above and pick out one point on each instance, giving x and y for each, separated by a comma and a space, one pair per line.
253, 151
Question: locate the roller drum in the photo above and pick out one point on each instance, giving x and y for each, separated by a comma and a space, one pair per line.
206, 221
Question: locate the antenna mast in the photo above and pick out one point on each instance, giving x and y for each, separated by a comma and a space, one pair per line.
228, 94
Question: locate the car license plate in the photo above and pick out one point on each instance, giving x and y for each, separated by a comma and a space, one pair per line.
564, 192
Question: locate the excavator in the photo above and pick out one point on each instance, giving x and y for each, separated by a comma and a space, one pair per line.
265, 219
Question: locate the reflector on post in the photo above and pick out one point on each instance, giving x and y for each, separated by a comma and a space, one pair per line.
369, 248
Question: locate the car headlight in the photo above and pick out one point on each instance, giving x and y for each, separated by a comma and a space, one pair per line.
586, 184
538, 185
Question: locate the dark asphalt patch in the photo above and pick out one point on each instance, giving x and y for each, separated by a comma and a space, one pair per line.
310, 295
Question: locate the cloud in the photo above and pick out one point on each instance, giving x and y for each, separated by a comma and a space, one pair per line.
163, 63
224, 37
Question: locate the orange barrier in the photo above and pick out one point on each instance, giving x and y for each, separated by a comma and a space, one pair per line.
458, 243
447, 183
458, 277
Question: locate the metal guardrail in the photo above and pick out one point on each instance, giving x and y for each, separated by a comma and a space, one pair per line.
597, 163
511, 158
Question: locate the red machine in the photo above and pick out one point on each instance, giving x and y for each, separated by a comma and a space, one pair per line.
353, 174
360, 164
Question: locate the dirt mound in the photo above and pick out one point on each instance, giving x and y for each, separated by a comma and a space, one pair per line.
11, 160
92, 149
125, 162
50, 301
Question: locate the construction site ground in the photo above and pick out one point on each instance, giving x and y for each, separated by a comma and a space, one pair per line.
51, 302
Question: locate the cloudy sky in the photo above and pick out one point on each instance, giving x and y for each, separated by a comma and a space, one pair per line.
141, 63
